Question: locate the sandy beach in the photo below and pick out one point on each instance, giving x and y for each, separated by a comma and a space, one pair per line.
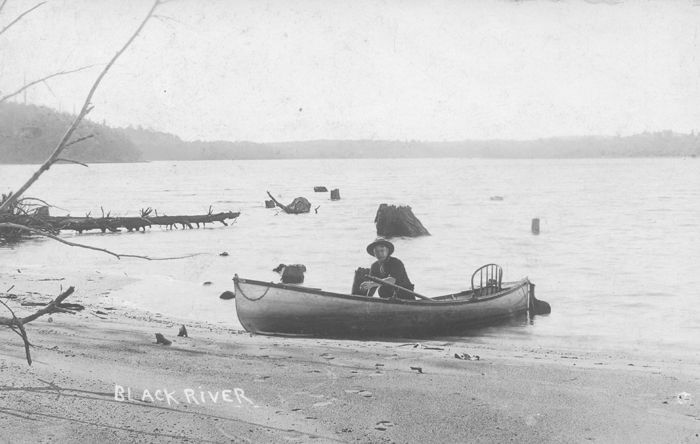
100, 376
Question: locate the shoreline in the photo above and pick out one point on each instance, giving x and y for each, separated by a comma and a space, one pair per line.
225, 385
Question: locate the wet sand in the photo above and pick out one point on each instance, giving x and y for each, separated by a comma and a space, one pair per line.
100, 376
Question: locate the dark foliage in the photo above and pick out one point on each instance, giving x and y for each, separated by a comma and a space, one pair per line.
29, 134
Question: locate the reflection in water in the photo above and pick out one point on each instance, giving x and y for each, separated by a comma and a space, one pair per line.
512, 326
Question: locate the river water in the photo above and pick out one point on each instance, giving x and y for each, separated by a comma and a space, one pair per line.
617, 256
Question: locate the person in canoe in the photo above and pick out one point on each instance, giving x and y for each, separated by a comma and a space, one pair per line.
389, 269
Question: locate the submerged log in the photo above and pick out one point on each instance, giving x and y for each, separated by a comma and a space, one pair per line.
398, 221
298, 205
320, 189
56, 224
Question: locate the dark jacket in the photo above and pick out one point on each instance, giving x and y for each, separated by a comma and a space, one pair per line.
393, 267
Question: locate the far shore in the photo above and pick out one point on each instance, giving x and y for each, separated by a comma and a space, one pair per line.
302, 159
99, 376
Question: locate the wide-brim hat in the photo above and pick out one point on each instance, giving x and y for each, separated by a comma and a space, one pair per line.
380, 241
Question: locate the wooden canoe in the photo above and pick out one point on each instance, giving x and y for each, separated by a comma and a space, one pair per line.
279, 309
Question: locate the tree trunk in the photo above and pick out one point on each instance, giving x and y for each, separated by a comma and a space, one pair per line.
398, 221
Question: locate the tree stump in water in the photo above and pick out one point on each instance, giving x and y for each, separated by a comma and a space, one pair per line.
269, 204
360, 274
298, 205
42, 211
398, 221
335, 194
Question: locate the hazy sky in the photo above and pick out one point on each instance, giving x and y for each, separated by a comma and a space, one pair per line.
287, 70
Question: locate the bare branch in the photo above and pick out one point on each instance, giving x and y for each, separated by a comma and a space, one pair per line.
80, 140
11, 200
52, 307
72, 244
56, 238
72, 161
8, 307
16, 324
85, 109
39, 200
34, 198
13, 327
29, 85
27, 344
18, 18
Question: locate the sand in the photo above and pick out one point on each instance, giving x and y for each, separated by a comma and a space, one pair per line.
100, 376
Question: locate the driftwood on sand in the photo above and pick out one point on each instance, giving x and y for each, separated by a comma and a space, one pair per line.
17, 324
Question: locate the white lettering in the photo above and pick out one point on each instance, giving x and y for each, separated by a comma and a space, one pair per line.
118, 392
147, 393
240, 394
189, 393
170, 396
122, 393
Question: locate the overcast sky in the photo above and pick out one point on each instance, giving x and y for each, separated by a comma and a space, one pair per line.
288, 70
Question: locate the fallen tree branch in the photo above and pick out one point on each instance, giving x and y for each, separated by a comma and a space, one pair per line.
73, 244
56, 224
56, 238
18, 323
53, 307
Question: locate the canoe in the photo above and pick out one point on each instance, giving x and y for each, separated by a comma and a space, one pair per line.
279, 309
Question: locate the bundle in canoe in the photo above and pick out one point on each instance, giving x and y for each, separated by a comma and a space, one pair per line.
271, 308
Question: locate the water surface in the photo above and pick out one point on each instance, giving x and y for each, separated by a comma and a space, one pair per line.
616, 257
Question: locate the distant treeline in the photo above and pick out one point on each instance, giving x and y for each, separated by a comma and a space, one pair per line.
28, 134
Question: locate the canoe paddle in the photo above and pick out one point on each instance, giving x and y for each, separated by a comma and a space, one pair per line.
379, 281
